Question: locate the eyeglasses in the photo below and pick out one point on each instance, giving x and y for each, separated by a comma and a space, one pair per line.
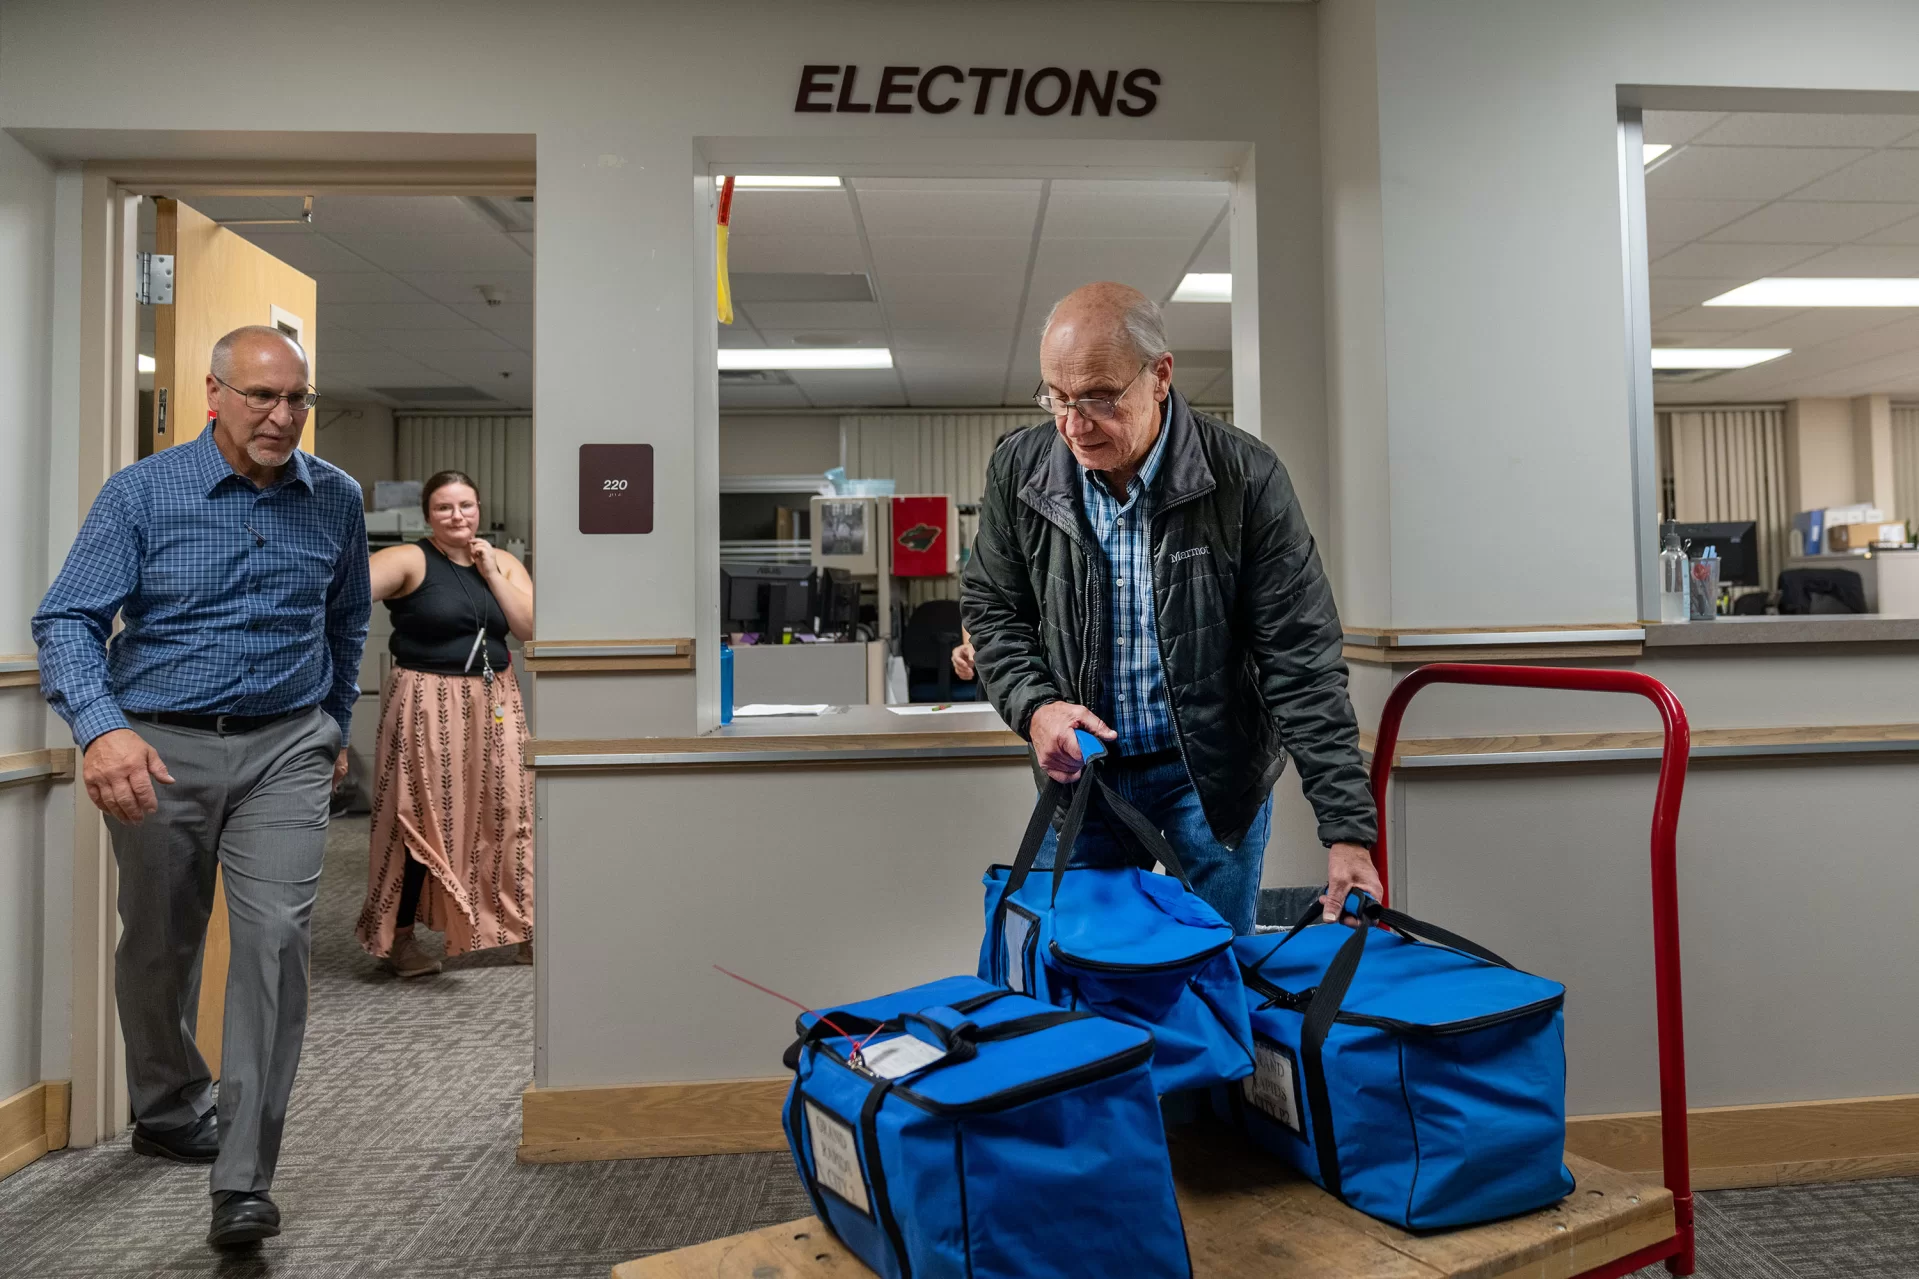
1094, 408
262, 401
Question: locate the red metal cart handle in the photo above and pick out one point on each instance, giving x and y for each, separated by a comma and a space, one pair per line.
1665, 884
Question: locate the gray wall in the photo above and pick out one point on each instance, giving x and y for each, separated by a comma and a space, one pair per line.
358, 438
26, 264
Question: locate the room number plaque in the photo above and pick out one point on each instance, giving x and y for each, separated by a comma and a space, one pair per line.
616, 488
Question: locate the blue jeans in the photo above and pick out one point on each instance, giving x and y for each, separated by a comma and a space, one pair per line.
1227, 879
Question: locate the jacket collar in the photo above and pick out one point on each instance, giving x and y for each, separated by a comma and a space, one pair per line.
211, 468
1184, 473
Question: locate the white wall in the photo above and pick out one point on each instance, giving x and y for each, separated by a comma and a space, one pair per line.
765, 444
357, 438
26, 254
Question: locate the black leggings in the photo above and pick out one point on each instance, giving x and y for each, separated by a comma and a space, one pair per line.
410, 887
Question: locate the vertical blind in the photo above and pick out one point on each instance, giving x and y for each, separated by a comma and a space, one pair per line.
1905, 461
1730, 464
495, 449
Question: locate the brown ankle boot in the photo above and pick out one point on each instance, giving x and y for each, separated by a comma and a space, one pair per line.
408, 958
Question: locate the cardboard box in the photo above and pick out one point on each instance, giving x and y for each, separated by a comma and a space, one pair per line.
1857, 537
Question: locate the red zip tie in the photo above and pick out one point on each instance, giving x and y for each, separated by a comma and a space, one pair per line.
853, 1056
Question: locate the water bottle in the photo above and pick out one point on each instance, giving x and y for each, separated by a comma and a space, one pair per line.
726, 682
1673, 587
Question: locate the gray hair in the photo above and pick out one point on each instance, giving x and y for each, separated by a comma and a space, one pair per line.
1143, 321
221, 363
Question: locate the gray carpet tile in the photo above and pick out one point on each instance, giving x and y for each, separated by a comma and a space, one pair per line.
399, 1147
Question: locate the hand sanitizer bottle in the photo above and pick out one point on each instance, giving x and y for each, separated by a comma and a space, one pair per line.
1673, 588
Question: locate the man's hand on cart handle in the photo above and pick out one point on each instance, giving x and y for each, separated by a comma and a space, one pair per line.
1348, 867
1051, 730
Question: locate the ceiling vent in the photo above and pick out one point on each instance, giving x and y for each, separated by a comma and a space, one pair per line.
435, 394
753, 377
1670, 377
801, 286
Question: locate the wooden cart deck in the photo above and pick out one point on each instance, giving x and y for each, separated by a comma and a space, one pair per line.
1248, 1217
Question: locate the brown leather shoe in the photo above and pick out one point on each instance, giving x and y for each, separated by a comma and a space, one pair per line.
408, 958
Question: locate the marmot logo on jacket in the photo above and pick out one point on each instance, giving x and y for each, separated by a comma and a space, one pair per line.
1189, 554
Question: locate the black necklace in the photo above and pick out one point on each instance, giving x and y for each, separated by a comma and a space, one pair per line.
479, 648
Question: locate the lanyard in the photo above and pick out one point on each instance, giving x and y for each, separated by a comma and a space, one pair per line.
479, 648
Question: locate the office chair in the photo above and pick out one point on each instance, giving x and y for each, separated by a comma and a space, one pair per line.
927, 643
1821, 590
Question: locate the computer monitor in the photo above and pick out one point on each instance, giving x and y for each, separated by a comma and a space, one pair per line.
1736, 543
766, 598
836, 599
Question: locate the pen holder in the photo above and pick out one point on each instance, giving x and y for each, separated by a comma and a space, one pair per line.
1703, 581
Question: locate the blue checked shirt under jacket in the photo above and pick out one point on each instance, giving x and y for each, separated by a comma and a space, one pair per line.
1134, 691
237, 600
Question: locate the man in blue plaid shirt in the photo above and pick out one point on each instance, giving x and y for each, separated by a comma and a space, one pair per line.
239, 567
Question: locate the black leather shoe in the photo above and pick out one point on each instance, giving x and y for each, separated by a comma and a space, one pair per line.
241, 1217
194, 1143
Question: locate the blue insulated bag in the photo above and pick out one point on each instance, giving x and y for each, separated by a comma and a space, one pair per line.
979, 1134
1425, 1086
1129, 944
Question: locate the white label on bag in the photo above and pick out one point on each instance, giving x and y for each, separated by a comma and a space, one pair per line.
836, 1157
900, 1055
1273, 1087
1019, 931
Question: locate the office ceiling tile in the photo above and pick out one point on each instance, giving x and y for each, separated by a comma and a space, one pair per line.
418, 342
406, 215
849, 386
1748, 173
956, 186
819, 212
1906, 232
1804, 129
762, 397
1883, 175
513, 320
1681, 220
1820, 325
367, 316
314, 254
1668, 293
755, 252
463, 287
1122, 209
823, 337
336, 339
363, 286
811, 315
1217, 390
1153, 266
1861, 260
1216, 255
1812, 222
476, 252
950, 212
1675, 127
1720, 319
990, 360
948, 390
1199, 325
942, 339
931, 312
1707, 260
378, 368
905, 255
484, 369
965, 293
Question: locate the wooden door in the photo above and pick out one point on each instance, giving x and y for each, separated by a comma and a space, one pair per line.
221, 282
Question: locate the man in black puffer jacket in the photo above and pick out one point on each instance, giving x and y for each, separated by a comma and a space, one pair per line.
1144, 572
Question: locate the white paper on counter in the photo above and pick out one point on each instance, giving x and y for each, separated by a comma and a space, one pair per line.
944, 708
759, 710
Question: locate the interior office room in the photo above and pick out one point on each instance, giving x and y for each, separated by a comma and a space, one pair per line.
1587, 337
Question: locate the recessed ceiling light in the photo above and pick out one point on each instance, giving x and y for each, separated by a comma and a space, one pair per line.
779, 182
1656, 149
1781, 290
1205, 286
1715, 357
145, 363
801, 357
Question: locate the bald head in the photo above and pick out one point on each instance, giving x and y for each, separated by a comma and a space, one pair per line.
231, 350
1104, 349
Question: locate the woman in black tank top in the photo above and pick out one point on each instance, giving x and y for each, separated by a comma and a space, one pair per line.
452, 839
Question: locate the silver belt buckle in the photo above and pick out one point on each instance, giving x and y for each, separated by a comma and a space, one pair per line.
220, 724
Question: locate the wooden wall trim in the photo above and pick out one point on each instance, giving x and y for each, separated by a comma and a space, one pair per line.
21, 767
32, 1122
19, 670
1707, 743
644, 1121
594, 656
1370, 655
1778, 1144
1786, 1143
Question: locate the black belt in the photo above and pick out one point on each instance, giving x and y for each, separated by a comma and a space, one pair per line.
224, 725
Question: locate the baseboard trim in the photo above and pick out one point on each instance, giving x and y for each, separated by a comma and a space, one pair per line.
647, 1121
1784, 1143
1776, 1144
32, 1122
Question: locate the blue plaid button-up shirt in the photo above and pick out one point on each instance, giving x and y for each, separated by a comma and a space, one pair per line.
237, 600
1133, 696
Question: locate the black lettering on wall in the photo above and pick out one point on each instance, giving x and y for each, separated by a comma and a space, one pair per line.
986, 77
1012, 91
846, 102
1032, 90
891, 87
811, 84
926, 83
1135, 85
1090, 88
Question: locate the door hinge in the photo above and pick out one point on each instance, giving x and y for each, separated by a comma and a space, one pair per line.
153, 279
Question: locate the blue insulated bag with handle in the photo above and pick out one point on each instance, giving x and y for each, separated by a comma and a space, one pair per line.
1414, 1074
960, 1130
1129, 944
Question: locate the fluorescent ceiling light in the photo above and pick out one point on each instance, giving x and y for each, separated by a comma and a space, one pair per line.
1715, 357
1205, 286
779, 182
1656, 149
145, 363
807, 357
1783, 290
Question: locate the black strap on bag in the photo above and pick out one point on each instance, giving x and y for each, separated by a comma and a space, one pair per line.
1323, 1009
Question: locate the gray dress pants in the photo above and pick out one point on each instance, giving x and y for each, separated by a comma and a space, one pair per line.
255, 805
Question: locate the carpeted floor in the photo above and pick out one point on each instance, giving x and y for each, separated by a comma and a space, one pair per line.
399, 1161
